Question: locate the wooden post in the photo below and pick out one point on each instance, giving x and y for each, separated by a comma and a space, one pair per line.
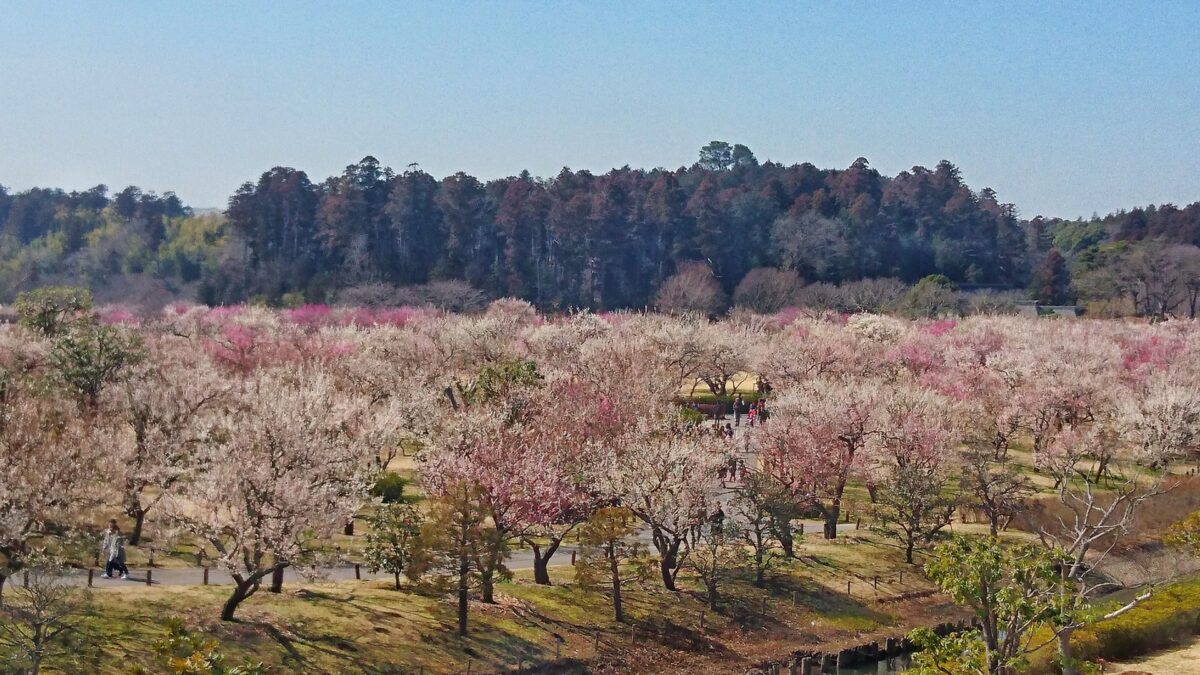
572, 557
847, 587
793, 598
701, 619
149, 577
875, 581
357, 571
596, 647
901, 576
205, 576
91, 574
25, 579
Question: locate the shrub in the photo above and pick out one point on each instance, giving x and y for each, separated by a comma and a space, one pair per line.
693, 288
767, 290
1169, 617
48, 310
389, 487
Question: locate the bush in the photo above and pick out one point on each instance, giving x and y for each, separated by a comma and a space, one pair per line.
767, 290
693, 288
49, 310
1170, 616
389, 487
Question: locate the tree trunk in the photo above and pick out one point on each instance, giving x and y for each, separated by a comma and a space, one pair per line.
3, 578
615, 570
666, 566
397, 580
35, 660
487, 585
831, 521
787, 543
277, 580
464, 568
1064, 653
541, 563
712, 595
241, 591
908, 551
139, 522
759, 570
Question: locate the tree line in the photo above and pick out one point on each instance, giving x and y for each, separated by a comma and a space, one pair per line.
578, 239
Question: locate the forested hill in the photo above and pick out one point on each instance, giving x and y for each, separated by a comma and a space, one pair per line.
573, 240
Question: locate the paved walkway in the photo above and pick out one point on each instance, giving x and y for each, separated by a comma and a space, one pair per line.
217, 576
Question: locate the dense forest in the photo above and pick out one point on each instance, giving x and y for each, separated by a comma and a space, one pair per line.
583, 240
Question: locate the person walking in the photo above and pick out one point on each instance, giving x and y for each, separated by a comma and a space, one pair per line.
737, 410
113, 547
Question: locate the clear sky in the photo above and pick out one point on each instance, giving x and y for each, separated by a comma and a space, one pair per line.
1064, 109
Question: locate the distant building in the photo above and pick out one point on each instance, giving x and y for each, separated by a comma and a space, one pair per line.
1038, 309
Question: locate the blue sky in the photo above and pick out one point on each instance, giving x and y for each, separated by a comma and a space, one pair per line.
1063, 108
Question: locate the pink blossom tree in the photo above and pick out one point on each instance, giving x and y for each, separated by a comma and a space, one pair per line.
816, 442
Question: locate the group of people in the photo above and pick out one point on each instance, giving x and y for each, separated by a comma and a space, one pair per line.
756, 411
734, 469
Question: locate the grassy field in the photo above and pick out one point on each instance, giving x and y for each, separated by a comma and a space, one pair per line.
366, 627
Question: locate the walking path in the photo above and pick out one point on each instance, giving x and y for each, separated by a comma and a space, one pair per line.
217, 576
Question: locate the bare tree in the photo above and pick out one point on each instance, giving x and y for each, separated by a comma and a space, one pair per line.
41, 616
